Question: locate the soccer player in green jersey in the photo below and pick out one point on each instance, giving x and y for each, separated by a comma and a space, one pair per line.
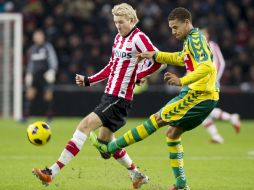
197, 98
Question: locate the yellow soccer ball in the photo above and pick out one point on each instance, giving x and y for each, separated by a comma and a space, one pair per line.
39, 133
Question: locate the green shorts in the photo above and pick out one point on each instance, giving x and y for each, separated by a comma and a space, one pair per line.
189, 109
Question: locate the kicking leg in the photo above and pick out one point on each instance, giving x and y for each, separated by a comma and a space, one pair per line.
130, 137
72, 148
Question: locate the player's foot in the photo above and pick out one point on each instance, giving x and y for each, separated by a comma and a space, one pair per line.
176, 188
217, 139
236, 122
138, 179
100, 146
44, 175
105, 155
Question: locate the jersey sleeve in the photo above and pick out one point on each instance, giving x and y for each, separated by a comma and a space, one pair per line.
153, 68
200, 72
143, 43
175, 58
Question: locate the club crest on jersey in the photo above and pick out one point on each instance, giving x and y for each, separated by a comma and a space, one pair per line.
122, 54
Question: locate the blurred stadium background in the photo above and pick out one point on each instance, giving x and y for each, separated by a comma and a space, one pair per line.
82, 32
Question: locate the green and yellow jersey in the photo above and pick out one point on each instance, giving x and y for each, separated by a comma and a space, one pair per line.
197, 57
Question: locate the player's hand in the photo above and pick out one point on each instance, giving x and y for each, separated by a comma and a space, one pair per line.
172, 79
50, 76
145, 55
80, 80
28, 79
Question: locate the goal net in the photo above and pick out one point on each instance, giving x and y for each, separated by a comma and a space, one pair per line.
11, 65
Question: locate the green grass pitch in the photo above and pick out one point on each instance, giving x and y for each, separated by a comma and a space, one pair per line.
208, 166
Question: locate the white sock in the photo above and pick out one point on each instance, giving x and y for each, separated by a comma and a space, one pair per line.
124, 159
210, 127
217, 113
71, 150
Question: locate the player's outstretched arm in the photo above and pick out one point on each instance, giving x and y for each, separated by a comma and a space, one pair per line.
145, 55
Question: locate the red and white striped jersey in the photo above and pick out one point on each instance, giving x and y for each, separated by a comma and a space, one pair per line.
121, 70
218, 59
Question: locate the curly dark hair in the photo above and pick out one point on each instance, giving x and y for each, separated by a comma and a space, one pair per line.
180, 13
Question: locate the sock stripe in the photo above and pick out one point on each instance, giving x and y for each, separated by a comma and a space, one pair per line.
175, 149
153, 121
72, 148
176, 155
176, 163
142, 131
132, 166
60, 164
135, 135
173, 143
129, 137
119, 154
149, 127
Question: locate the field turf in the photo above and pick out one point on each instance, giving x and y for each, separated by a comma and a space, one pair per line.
229, 166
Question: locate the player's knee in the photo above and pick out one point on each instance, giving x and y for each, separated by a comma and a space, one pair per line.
174, 132
85, 125
157, 119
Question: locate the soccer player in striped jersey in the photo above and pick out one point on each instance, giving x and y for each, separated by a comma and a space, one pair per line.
218, 113
110, 115
198, 97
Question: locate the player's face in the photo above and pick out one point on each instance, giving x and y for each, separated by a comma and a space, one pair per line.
123, 24
38, 38
179, 28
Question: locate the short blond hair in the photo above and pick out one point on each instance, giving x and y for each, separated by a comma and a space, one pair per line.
126, 10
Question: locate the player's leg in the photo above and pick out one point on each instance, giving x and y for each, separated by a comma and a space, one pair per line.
184, 113
74, 145
48, 99
211, 128
30, 95
131, 136
176, 156
122, 157
234, 119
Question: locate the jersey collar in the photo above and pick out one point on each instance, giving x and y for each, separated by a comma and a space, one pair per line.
130, 32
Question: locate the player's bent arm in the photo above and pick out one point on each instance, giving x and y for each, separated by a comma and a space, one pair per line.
174, 58
98, 77
202, 71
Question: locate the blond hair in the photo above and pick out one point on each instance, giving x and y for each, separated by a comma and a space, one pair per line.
126, 10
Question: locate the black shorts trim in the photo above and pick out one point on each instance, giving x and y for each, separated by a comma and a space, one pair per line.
113, 111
